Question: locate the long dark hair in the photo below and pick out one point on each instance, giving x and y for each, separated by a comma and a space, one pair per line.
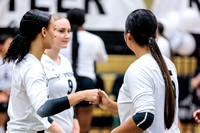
31, 24
142, 25
76, 18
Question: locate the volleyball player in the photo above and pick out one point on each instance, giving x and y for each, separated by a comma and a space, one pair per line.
60, 78
83, 51
29, 106
148, 98
5, 79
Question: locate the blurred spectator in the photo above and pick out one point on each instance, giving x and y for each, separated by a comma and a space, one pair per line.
195, 84
5, 79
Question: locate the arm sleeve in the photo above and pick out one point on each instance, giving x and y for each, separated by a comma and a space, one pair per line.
143, 120
53, 106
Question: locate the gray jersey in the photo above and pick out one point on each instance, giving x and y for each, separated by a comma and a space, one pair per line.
28, 94
60, 82
144, 90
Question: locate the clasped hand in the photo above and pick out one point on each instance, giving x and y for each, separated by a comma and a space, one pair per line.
98, 97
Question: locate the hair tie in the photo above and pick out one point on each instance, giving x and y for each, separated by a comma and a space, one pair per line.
150, 40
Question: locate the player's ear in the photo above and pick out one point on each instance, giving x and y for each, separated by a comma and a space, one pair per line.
129, 36
44, 32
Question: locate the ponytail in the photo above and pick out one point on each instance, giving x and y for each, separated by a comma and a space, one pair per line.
18, 49
170, 96
30, 26
75, 47
76, 18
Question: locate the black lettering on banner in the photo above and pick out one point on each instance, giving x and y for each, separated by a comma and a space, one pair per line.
12, 5
170, 73
197, 3
70, 86
100, 8
60, 8
33, 6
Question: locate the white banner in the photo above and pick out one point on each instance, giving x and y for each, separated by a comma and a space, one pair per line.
106, 15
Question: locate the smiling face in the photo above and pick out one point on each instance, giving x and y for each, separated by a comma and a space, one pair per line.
62, 32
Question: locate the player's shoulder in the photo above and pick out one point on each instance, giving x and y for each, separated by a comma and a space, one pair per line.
168, 61
145, 65
30, 61
29, 65
170, 65
144, 61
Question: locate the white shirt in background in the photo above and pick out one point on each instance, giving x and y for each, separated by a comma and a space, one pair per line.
91, 49
164, 46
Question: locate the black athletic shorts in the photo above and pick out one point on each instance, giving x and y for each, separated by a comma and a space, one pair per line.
3, 107
84, 83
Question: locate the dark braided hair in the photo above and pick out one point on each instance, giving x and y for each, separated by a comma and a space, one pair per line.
142, 25
31, 24
76, 18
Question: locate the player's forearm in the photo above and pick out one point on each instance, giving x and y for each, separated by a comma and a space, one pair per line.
76, 98
112, 107
127, 127
86, 95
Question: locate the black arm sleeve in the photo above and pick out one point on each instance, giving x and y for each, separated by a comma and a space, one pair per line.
143, 120
53, 106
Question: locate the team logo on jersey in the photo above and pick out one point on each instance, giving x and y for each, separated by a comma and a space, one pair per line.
68, 74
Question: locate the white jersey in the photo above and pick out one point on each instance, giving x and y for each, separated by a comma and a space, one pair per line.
5, 75
28, 94
61, 82
91, 49
144, 90
164, 46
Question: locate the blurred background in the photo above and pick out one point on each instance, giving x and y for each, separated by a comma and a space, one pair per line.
106, 18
